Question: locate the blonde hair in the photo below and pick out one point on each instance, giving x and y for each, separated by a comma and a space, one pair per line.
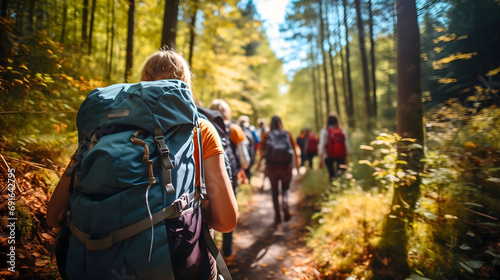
221, 106
166, 64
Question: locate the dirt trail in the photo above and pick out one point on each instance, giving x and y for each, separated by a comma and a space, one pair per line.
263, 250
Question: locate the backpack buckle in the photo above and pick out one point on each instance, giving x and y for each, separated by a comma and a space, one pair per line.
181, 203
164, 152
162, 147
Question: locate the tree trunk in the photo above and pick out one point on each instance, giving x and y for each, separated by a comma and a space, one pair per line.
332, 68
192, 32
170, 24
364, 64
350, 99
372, 58
111, 47
91, 29
317, 106
5, 4
130, 40
75, 26
317, 113
64, 20
410, 110
392, 247
108, 37
316, 80
343, 79
325, 70
31, 15
85, 16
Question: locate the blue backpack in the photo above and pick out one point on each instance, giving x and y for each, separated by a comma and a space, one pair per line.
135, 209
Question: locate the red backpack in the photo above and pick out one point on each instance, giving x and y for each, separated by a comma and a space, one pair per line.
312, 144
335, 148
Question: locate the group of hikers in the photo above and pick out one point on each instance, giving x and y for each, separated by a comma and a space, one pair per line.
155, 173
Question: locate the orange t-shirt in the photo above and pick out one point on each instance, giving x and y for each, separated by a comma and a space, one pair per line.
210, 143
236, 134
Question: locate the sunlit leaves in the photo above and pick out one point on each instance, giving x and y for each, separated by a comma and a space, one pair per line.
493, 72
447, 80
449, 38
440, 64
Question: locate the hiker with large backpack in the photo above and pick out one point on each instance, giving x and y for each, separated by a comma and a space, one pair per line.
240, 160
333, 147
252, 142
278, 147
147, 181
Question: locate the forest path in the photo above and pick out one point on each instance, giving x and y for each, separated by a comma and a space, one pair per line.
263, 250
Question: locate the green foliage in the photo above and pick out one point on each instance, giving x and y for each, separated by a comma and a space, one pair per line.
25, 224
347, 226
453, 232
41, 92
314, 183
453, 60
388, 168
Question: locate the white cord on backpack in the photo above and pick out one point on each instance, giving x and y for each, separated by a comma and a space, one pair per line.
200, 160
151, 220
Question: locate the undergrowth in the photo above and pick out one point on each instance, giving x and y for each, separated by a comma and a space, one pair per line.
455, 231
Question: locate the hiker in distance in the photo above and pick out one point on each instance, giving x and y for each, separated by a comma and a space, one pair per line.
252, 142
311, 147
279, 149
333, 147
163, 197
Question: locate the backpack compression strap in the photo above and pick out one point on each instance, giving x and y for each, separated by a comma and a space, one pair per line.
169, 212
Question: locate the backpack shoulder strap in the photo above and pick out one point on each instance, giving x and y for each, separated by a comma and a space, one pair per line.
212, 248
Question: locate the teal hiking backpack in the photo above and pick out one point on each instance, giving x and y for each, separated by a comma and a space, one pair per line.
135, 209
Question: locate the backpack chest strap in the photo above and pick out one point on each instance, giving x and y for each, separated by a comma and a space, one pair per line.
103, 243
166, 163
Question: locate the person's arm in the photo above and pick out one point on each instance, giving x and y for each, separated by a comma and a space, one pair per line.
321, 146
262, 148
221, 210
59, 202
296, 147
262, 145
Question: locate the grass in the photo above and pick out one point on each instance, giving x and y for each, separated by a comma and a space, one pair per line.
454, 232
346, 227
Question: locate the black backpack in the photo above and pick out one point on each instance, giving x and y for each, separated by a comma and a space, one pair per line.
278, 147
216, 119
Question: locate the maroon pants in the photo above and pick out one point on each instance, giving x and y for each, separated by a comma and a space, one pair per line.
276, 173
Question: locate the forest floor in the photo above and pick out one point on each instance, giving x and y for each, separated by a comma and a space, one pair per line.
264, 250
27, 250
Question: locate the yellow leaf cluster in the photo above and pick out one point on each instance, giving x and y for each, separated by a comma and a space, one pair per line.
493, 72
447, 80
439, 64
